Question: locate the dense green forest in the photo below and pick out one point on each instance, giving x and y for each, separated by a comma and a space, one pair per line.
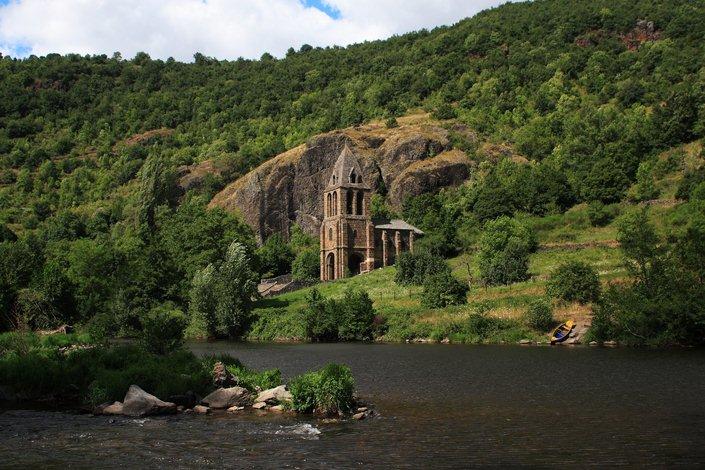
94, 229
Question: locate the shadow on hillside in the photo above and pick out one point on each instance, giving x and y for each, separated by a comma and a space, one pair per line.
271, 302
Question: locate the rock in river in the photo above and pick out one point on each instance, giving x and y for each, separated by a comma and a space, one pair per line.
200, 409
140, 403
274, 395
228, 397
109, 409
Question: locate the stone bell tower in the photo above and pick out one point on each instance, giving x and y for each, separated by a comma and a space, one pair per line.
347, 232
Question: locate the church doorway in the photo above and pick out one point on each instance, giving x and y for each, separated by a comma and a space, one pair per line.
330, 267
354, 262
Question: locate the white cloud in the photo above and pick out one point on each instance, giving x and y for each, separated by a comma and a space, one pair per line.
225, 29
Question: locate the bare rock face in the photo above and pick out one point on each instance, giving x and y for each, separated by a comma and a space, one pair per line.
228, 397
289, 188
140, 403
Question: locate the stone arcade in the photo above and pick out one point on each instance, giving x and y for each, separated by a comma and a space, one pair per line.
351, 242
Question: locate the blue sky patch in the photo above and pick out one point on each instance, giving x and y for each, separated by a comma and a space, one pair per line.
318, 4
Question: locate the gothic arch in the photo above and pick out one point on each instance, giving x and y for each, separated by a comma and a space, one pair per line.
349, 202
354, 261
360, 203
330, 267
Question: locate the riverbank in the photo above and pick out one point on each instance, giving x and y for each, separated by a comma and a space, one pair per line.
71, 371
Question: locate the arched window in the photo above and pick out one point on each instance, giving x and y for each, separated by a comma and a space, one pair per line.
329, 205
330, 233
353, 176
360, 203
349, 202
335, 204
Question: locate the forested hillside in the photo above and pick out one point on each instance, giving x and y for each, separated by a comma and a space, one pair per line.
95, 228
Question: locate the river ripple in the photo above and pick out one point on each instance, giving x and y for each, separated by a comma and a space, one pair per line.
442, 406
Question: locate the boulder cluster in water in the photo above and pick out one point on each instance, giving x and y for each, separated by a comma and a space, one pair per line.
139, 403
230, 397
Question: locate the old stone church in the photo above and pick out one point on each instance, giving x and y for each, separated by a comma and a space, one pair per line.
351, 241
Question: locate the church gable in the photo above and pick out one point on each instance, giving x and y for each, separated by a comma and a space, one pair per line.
347, 170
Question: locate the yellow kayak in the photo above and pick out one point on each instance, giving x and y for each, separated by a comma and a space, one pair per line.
562, 332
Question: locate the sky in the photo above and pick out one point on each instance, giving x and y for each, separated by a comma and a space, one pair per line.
225, 29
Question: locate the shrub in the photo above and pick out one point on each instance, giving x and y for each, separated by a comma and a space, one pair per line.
414, 268
504, 251
275, 256
574, 281
221, 298
327, 391
306, 265
357, 316
163, 329
391, 122
663, 304
6, 235
539, 315
113, 370
600, 214
348, 319
441, 290
320, 318
18, 342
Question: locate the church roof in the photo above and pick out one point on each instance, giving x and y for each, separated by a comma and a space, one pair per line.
396, 224
346, 169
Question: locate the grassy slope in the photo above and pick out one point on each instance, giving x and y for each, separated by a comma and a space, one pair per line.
562, 237
401, 305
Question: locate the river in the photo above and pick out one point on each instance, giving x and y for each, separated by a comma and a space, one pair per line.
441, 406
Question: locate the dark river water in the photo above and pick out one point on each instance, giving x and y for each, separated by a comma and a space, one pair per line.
441, 406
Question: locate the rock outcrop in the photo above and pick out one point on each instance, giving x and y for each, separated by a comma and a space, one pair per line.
140, 403
228, 397
407, 161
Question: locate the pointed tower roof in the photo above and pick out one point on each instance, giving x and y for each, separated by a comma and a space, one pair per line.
347, 171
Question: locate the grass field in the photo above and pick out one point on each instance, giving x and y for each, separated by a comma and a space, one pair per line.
563, 237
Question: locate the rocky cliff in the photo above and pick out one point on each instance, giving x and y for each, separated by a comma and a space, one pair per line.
408, 160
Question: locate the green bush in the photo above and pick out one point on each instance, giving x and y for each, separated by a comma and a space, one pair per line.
664, 301
600, 214
504, 250
275, 256
115, 369
414, 268
539, 315
348, 319
356, 315
574, 281
221, 298
306, 266
163, 329
441, 290
18, 342
329, 391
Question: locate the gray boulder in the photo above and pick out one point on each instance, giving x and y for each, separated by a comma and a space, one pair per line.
274, 395
110, 409
140, 403
228, 397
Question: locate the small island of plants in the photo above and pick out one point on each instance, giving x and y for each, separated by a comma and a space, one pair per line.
158, 376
